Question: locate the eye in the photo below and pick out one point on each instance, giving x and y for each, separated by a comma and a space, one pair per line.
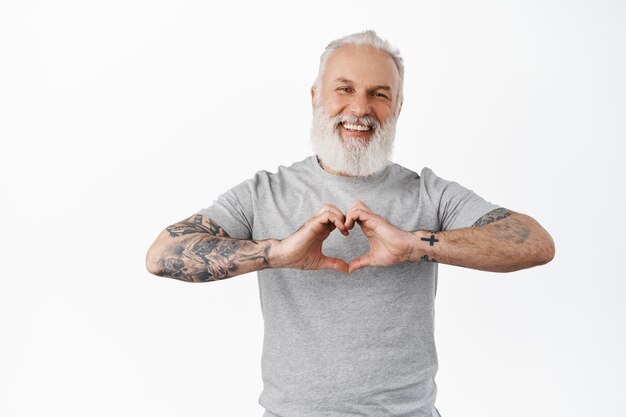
381, 95
344, 88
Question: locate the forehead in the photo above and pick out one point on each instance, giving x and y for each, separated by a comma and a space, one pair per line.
362, 64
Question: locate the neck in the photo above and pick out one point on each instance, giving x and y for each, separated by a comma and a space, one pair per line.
330, 170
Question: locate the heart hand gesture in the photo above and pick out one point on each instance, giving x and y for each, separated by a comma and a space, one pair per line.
303, 249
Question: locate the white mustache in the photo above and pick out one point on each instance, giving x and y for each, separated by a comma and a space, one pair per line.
352, 119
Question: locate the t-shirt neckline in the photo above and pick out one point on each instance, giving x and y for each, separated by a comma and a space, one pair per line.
347, 179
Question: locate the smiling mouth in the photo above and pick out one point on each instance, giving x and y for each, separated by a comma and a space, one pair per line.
355, 127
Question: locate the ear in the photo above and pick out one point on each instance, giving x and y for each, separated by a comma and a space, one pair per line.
400, 108
313, 97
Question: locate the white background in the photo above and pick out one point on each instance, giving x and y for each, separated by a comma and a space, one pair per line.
119, 118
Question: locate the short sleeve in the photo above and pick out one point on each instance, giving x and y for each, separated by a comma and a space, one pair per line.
455, 205
234, 210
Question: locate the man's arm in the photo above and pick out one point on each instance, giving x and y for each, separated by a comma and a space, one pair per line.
199, 250
500, 241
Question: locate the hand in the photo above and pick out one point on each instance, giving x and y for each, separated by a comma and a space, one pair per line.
303, 249
388, 244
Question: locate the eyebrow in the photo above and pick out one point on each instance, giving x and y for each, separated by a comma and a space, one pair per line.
376, 87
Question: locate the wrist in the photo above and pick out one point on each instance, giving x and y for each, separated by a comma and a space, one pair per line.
424, 246
276, 255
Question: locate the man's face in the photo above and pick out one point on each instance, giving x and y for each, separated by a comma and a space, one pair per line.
359, 80
355, 111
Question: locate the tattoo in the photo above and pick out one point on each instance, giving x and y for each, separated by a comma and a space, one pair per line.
425, 258
205, 252
213, 258
493, 216
196, 224
430, 240
509, 230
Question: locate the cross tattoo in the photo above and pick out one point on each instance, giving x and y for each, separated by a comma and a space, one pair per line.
430, 240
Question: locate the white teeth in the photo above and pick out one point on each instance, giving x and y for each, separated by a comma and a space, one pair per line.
360, 128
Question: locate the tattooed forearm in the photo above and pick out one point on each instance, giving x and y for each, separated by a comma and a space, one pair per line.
493, 216
198, 250
505, 241
210, 258
196, 224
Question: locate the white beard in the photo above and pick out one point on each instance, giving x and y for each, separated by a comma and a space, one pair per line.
352, 156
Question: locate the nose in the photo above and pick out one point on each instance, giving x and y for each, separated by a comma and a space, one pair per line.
360, 105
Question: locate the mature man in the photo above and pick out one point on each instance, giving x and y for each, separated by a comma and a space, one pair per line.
349, 315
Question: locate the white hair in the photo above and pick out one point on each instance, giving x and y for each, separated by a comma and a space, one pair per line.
370, 38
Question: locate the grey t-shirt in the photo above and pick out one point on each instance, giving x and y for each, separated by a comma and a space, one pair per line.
335, 344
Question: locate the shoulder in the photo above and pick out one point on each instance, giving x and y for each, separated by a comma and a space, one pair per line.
432, 181
426, 180
432, 186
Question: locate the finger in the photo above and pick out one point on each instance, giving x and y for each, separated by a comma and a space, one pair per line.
351, 217
322, 218
323, 209
354, 215
364, 206
329, 207
360, 262
342, 227
336, 219
334, 263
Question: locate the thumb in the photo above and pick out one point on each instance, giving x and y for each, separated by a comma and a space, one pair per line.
334, 263
360, 262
